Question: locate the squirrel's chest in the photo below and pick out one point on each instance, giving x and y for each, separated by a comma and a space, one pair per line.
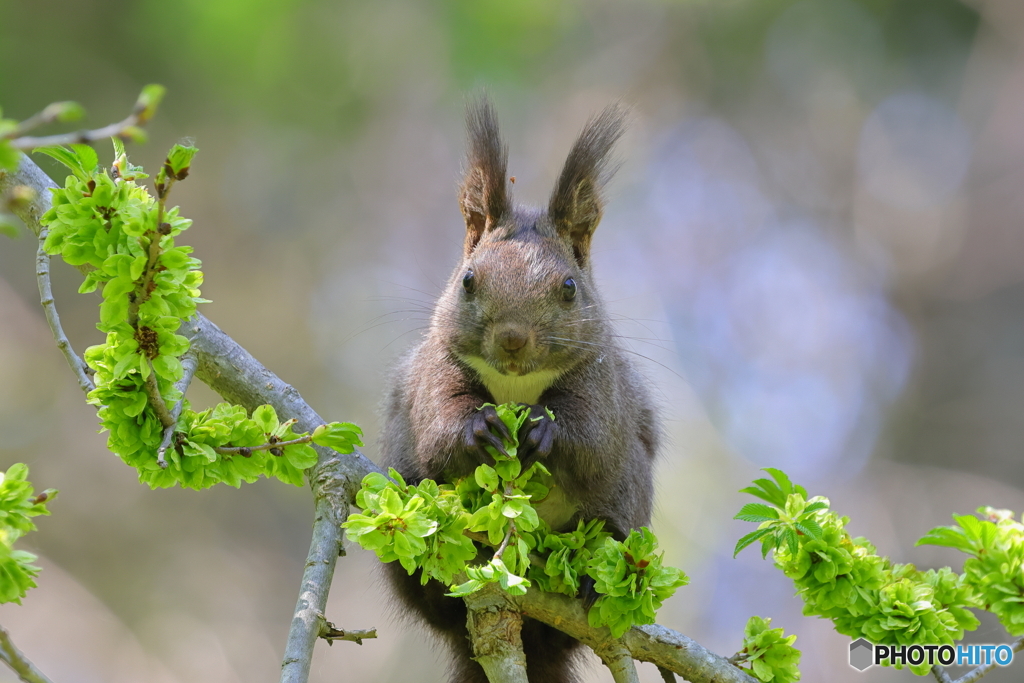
513, 388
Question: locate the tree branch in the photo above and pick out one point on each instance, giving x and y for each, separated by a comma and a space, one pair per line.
652, 643
977, 673
619, 661
78, 365
128, 129
189, 365
25, 669
331, 634
156, 401
495, 627
238, 377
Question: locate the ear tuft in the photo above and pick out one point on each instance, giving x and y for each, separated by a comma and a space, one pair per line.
576, 203
483, 196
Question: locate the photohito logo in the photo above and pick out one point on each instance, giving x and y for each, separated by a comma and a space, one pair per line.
864, 654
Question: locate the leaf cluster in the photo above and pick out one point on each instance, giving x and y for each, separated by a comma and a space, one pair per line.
428, 528
632, 581
102, 218
996, 566
770, 652
845, 580
18, 504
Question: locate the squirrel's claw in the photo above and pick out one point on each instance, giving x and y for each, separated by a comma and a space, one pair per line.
536, 436
477, 434
491, 416
587, 593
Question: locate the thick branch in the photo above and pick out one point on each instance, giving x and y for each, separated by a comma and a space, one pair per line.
25, 669
619, 661
495, 631
656, 644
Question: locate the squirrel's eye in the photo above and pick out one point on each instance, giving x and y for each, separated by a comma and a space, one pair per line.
467, 282
569, 289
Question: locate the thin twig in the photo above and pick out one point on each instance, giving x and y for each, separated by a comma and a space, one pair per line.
78, 366
977, 673
189, 364
270, 445
122, 129
940, 674
25, 669
508, 537
666, 675
331, 634
156, 400
49, 114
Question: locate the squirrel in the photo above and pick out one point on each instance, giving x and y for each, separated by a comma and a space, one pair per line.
520, 320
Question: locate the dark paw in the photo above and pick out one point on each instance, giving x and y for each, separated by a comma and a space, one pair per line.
536, 437
587, 593
478, 434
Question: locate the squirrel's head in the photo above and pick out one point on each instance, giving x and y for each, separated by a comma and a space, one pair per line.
523, 300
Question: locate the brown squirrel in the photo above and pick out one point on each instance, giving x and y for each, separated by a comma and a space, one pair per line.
520, 320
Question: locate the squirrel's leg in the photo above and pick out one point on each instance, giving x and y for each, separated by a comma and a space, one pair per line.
549, 653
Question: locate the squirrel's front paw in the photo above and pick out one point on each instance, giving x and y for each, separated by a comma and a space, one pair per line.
477, 434
536, 436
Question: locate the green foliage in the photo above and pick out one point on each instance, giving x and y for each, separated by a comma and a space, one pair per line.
8, 154
18, 504
843, 579
996, 566
103, 219
631, 580
425, 527
770, 652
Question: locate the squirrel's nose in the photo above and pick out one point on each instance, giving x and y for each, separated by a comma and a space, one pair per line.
511, 340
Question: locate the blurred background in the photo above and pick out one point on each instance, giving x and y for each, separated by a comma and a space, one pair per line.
812, 246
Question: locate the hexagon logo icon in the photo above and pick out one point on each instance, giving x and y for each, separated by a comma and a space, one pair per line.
862, 654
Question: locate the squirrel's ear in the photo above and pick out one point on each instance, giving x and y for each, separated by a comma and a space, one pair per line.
576, 204
484, 197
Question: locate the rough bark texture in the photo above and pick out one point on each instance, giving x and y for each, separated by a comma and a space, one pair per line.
494, 629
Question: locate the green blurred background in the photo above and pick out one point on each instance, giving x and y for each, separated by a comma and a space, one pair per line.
813, 245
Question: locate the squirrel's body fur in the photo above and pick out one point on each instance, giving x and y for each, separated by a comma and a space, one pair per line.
521, 321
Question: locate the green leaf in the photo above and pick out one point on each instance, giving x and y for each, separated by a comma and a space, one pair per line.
750, 538
486, 478
179, 159
149, 100
300, 456
266, 417
68, 157
9, 156
342, 437
87, 157
66, 112
757, 512
8, 227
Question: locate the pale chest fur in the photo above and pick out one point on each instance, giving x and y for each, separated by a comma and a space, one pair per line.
512, 388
